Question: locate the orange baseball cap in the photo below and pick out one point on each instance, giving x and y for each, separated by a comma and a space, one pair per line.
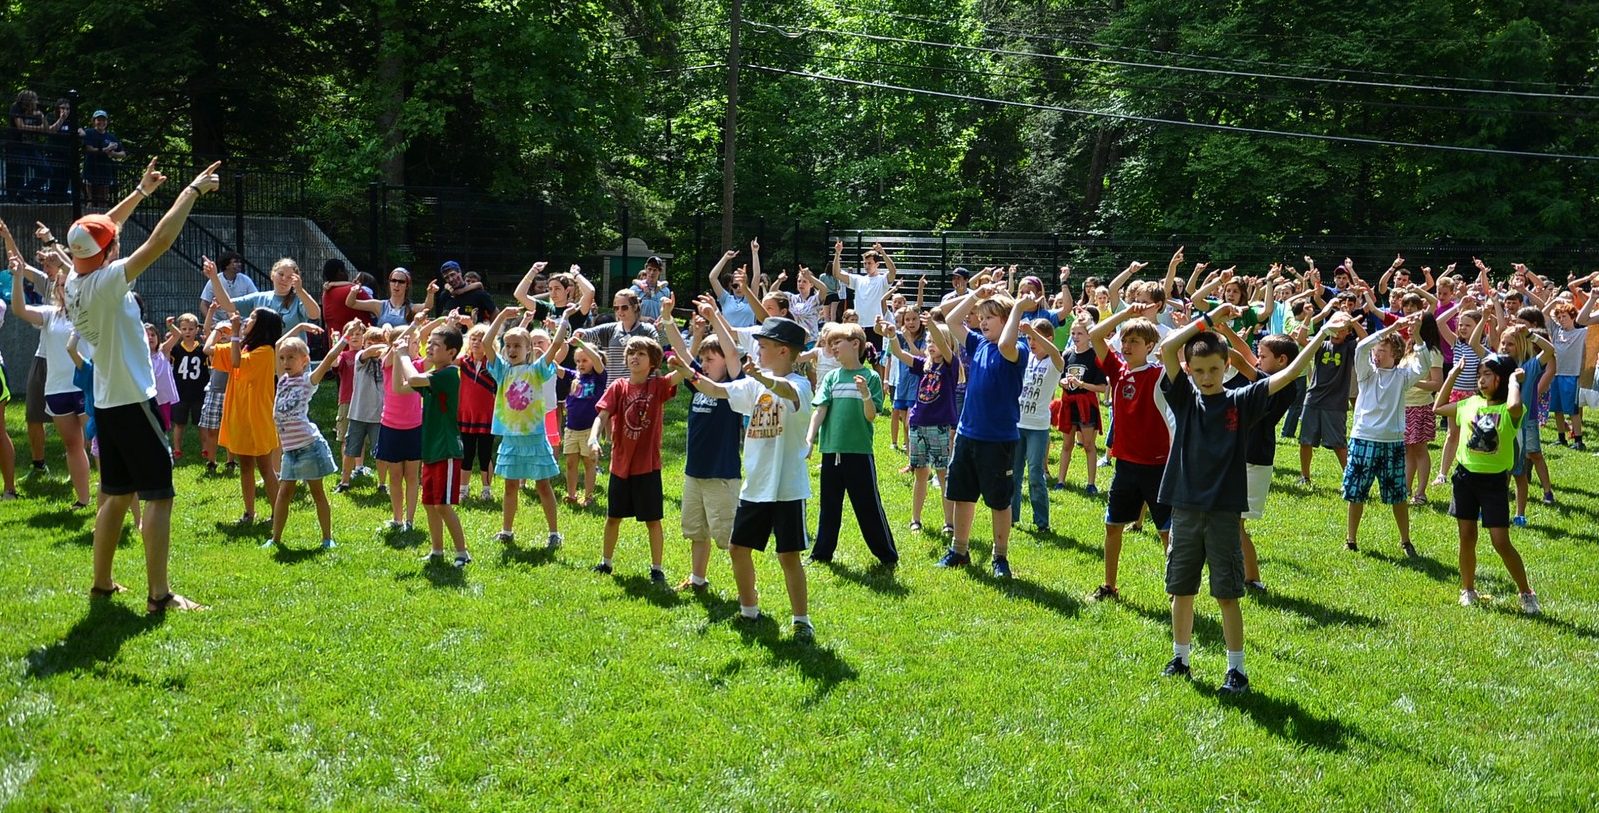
88, 239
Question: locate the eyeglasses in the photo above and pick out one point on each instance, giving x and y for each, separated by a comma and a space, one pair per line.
624, 307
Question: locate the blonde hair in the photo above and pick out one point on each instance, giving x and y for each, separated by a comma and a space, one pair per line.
189, 318
999, 305
296, 346
851, 331
286, 262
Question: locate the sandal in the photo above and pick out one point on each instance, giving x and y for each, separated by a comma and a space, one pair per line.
1419, 499
915, 527
170, 601
97, 593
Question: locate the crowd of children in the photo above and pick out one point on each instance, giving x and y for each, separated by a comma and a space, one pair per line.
979, 385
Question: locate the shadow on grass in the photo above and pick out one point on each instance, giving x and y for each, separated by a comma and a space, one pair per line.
1206, 628
1425, 565
511, 553
1071, 543
47, 488
1055, 601
293, 556
877, 578
94, 640
440, 571
1547, 620
402, 540
62, 518
366, 498
817, 663
1286, 719
234, 530
1319, 614
641, 588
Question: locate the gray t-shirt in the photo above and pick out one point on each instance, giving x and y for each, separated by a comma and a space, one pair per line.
366, 391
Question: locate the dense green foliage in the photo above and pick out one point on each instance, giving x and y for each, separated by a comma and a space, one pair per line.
594, 104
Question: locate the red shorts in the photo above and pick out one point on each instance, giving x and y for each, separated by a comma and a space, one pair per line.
441, 482
1078, 410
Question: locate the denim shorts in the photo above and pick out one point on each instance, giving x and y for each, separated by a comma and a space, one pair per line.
310, 462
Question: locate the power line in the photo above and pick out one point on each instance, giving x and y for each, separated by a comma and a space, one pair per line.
1184, 68
1165, 89
1180, 123
991, 29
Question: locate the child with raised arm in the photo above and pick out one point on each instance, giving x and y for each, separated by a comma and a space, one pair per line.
931, 432
306, 455
631, 410
771, 504
587, 383
362, 358
1045, 364
711, 469
985, 439
1326, 411
1204, 483
1078, 414
441, 449
247, 427
190, 368
1142, 440
400, 429
216, 389
519, 419
846, 403
1490, 421
1377, 439
478, 390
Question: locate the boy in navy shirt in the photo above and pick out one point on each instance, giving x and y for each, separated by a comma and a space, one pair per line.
1204, 481
985, 439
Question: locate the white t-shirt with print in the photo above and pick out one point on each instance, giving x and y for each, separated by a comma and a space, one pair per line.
107, 316
775, 468
1039, 381
869, 292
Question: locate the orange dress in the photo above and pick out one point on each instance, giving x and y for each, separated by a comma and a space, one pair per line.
247, 425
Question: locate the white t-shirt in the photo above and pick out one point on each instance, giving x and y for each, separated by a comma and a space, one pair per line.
868, 296
1039, 381
107, 316
241, 285
1569, 347
775, 468
54, 334
1380, 406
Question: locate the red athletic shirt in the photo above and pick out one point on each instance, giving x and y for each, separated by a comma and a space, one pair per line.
1143, 424
477, 397
635, 413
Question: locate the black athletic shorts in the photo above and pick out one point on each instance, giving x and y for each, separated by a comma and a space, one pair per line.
756, 522
1484, 496
1132, 486
982, 468
134, 456
638, 497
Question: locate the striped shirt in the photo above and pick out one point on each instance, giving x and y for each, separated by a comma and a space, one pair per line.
1467, 380
291, 411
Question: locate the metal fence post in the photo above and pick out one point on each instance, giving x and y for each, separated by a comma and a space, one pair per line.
373, 228
238, 212
699, 240
74, 158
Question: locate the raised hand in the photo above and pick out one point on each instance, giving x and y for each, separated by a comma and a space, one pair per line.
41, 232
755, 246
862, 387
207, 181
152, 178
209, 268
1226, 312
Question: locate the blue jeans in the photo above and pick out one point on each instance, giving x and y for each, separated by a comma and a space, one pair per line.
1032, 454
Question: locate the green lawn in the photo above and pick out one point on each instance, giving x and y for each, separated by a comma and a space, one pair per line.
359, 679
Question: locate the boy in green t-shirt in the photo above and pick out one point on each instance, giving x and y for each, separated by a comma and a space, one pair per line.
846, 403
1490, 421
441, 435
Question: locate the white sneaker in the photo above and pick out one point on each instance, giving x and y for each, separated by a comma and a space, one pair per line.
486, 494
555, 540
505, 536
1529, 604
1468, 598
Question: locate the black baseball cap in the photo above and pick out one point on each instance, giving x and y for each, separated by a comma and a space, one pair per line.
960, 271
782, 331
655, 261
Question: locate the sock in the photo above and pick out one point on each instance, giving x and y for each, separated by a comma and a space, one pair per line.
802, 619
1235, 660
38, 464
697, 580
605, 560
753, 611
1182, 651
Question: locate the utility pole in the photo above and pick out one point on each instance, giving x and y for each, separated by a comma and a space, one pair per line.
730, 129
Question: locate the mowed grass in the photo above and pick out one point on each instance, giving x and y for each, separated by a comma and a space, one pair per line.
360, 679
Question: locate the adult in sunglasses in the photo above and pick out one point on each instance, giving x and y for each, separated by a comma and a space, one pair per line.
396, 310
611, 337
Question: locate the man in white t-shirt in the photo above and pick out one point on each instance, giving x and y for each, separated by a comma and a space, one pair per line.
234, 281
870, 288
135, 461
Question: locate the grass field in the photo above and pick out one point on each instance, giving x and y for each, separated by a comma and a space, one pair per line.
360, 679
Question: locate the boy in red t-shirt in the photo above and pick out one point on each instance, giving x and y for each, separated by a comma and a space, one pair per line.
1142, 440
630, 412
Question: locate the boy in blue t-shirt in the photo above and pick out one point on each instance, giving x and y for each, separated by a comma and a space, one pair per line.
985, 439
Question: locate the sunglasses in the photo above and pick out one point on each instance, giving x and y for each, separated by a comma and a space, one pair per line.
624, 307
399, 281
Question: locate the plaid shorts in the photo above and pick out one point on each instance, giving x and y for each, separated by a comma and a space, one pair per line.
1382, 462
211, 410
930, 446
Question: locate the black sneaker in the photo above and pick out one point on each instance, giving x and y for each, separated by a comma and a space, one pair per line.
341, 488
1104, 592
1001, 567
1561, 439
657, 576
210, 467
1177, 669
602, 568
1234, 683
954, 558
1351, 546
1256, 586
804, 631
1409, 549
817, 560
1579, 445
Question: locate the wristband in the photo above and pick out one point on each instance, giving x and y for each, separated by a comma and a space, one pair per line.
52, 242
1205, 322
196, 189
141, 191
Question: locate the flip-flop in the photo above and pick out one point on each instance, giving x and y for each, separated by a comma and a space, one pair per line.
170, 601
97, 593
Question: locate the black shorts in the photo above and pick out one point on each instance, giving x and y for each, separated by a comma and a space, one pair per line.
982, 468
187, 410
756, 522
1481, 496
134, 457
875, 339
638, 497
1133, 486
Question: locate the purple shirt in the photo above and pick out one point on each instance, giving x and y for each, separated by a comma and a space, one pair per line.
935, 393
582, 402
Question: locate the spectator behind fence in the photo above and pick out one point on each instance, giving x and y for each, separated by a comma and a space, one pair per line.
458, 294
336, 288
234, 280
102, 149
25, 170
651, 288
60, 151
